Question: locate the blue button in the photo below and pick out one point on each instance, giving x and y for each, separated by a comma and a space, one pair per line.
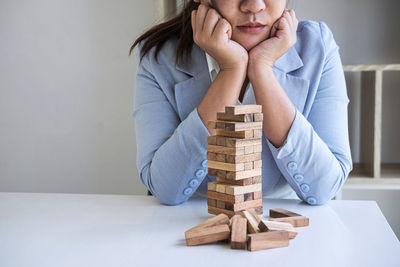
188, 191
298, 177
312, 200
204, 163
194, 182
305, 188
200, 173
292, 165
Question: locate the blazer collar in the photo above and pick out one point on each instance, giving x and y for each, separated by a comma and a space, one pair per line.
288, 62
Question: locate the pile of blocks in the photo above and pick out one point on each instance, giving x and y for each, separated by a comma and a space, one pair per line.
234, 157
248, 230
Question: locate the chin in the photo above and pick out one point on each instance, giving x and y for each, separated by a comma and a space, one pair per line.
249, 42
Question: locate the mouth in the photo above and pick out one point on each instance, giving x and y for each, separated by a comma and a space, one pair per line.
251, 27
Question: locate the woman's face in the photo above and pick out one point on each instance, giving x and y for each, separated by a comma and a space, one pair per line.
251, 20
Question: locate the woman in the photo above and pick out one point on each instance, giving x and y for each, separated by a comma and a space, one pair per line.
228, 52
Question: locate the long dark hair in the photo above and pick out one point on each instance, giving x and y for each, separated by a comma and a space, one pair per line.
179, 26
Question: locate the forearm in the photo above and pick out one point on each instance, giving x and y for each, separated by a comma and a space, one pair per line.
224, 91
278, 109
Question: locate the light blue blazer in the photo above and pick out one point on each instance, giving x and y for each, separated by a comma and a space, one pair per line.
314, 161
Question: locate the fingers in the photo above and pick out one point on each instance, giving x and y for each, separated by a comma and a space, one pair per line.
223, 27
211, 22
201, 16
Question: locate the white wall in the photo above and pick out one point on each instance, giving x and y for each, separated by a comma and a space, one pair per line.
66, 95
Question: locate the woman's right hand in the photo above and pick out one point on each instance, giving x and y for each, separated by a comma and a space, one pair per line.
213, 34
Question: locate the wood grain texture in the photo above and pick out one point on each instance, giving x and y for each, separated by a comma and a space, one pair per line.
243, 109
212, 221
225, 150
238, 232
239, 134
268, 240
226, 166
225, 197
216, 211
243, 174
252, 221
207, 235
243, 158
296, 221
237, 189
246, 181
268, 226
278, 213
239, 118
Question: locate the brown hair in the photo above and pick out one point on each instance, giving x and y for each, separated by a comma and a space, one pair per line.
180, 26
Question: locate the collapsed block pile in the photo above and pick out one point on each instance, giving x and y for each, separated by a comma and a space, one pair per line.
248, 230
234, 157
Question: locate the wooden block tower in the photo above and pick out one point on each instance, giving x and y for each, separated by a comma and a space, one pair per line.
234, 157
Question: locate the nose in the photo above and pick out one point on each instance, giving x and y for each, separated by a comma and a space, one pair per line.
252, 6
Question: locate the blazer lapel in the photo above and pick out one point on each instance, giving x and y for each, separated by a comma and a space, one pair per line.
295, 86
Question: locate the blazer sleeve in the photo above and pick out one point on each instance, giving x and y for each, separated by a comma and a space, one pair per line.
315, 158
171, 154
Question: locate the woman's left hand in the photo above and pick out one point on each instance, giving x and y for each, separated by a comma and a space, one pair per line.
282, 38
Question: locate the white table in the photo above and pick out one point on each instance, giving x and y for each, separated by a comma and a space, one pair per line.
113, 230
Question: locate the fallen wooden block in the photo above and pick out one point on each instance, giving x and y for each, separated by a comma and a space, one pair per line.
267, 240
279, 213
243, 109
268, 226
238, 232
212, 221
205, 235
296, 221
252, 221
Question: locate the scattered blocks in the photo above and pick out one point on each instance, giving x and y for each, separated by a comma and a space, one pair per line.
282, 215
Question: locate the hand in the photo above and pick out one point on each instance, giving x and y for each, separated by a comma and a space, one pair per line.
213, 34
282, 38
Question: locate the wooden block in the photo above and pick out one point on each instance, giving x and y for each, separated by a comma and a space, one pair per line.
243, 158
247, 205
211, 156
225, 166
257, 179
221, 157
279, 213
225, 197
243, 174
257, 195
239, 118
241, 126
212, 172
257, 133
247, 181
211, 202
257, 164
267, 240
247, 165
221, 173
239, 232
225, 150
212, 186
243, 109
252, 221
296, 221
258, 117
249, 150
256, 215
212, 124
212, 140
239, 134
217, 211
220, 204
237, 142
237, 189
212, 221
221, 188
257, 148
208, 235
221, 141
265, 226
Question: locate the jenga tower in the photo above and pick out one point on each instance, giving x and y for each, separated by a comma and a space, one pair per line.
234, 157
